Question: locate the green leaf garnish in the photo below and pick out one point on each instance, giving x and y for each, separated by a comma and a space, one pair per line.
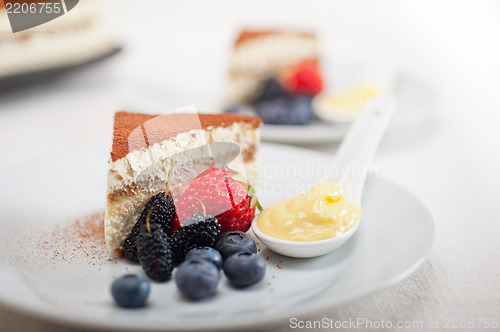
250, 189
240, 178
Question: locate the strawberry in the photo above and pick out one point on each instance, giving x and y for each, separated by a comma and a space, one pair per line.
303, 78
225, 196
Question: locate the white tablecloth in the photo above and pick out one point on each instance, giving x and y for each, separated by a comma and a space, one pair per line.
451, 162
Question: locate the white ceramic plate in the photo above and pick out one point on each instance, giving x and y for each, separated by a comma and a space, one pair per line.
415, 102
157, 89
46, 273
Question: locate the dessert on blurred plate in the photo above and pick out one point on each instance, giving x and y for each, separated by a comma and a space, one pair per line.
145, 148
78, 36
346, 104
274, 74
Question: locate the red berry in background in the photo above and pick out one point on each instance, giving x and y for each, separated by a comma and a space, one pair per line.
229, 200
304, 78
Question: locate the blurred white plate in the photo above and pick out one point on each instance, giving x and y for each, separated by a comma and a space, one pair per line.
161, 87
22, 80
415, 102
394, 238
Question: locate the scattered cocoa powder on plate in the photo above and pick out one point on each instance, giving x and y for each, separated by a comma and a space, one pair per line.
80, 239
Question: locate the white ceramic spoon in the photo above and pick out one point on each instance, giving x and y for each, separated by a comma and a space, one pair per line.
352, 161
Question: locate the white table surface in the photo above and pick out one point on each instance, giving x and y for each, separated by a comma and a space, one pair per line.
451, 162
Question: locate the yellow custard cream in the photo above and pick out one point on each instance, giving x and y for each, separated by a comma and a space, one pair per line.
352, 100
321, 213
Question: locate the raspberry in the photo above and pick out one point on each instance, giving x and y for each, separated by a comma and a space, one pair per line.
304, 78
154, 252
197, 231
163, 214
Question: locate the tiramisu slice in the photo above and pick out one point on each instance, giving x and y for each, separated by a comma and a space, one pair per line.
275, 75
145, 146
258, 55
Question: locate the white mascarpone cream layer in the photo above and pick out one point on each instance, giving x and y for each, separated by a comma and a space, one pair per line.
141, 164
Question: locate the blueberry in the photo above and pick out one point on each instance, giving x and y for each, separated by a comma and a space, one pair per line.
269, 89
130, 291
300, 111
234, 241
197, 278
273, 111
244, 269
206, 253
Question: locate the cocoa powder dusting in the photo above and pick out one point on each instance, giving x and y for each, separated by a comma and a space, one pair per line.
136, 131
80, 239
247, 35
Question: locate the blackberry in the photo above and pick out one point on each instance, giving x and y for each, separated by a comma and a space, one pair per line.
163, 214
198, 231
196, 218
153, 250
